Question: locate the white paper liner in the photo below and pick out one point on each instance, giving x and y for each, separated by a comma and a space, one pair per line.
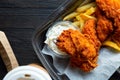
108, 63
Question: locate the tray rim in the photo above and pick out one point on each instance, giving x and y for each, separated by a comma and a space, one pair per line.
40, 29
45, 25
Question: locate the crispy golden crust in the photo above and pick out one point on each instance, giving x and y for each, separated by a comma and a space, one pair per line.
64, 42
112, 10
89, 30
83, 46
104, 26
116, 37
85, 58
84, 55
110, 7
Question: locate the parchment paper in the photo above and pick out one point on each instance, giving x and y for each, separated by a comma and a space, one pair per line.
108, 63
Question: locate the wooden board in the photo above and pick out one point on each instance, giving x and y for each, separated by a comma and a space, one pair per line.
7, 53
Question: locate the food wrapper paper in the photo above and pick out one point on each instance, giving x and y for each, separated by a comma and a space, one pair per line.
108, 63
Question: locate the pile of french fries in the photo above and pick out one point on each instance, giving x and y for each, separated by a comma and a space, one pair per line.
82, 14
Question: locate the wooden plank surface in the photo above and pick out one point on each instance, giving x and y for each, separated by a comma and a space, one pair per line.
19, 19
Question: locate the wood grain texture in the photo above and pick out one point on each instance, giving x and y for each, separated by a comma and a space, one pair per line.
7, 53
31, 3
19, 19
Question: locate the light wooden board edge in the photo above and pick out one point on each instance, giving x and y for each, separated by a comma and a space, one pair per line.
7, 53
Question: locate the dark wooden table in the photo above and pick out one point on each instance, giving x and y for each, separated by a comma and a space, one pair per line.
19, 19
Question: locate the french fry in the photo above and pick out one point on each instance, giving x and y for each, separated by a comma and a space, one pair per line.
90, 11
86, 17
82, 14
85, 7
112, 45
76, 23
78, 17
70, 16
81, 22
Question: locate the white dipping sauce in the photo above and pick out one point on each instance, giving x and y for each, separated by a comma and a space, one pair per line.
54, 32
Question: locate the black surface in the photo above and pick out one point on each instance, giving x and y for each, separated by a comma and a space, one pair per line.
19, 19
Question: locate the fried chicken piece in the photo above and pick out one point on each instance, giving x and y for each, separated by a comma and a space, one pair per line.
65, 44
84, 55
110, 7
112, 10
90, 33
104, 26
116, 37
82, 45
84, 64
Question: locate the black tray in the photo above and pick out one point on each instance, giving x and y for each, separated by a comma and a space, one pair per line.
40, 35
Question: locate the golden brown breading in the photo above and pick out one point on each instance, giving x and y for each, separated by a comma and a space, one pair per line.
104, 26
85, 58
83, 46
84, 55
112, 10
110, 7
116, 37
65, 44
90, 33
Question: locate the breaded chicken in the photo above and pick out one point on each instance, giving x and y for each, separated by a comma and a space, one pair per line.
104, 26
112, 10
84, 48
84, 55
116, 37
89, 30
65, 44
110, 7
